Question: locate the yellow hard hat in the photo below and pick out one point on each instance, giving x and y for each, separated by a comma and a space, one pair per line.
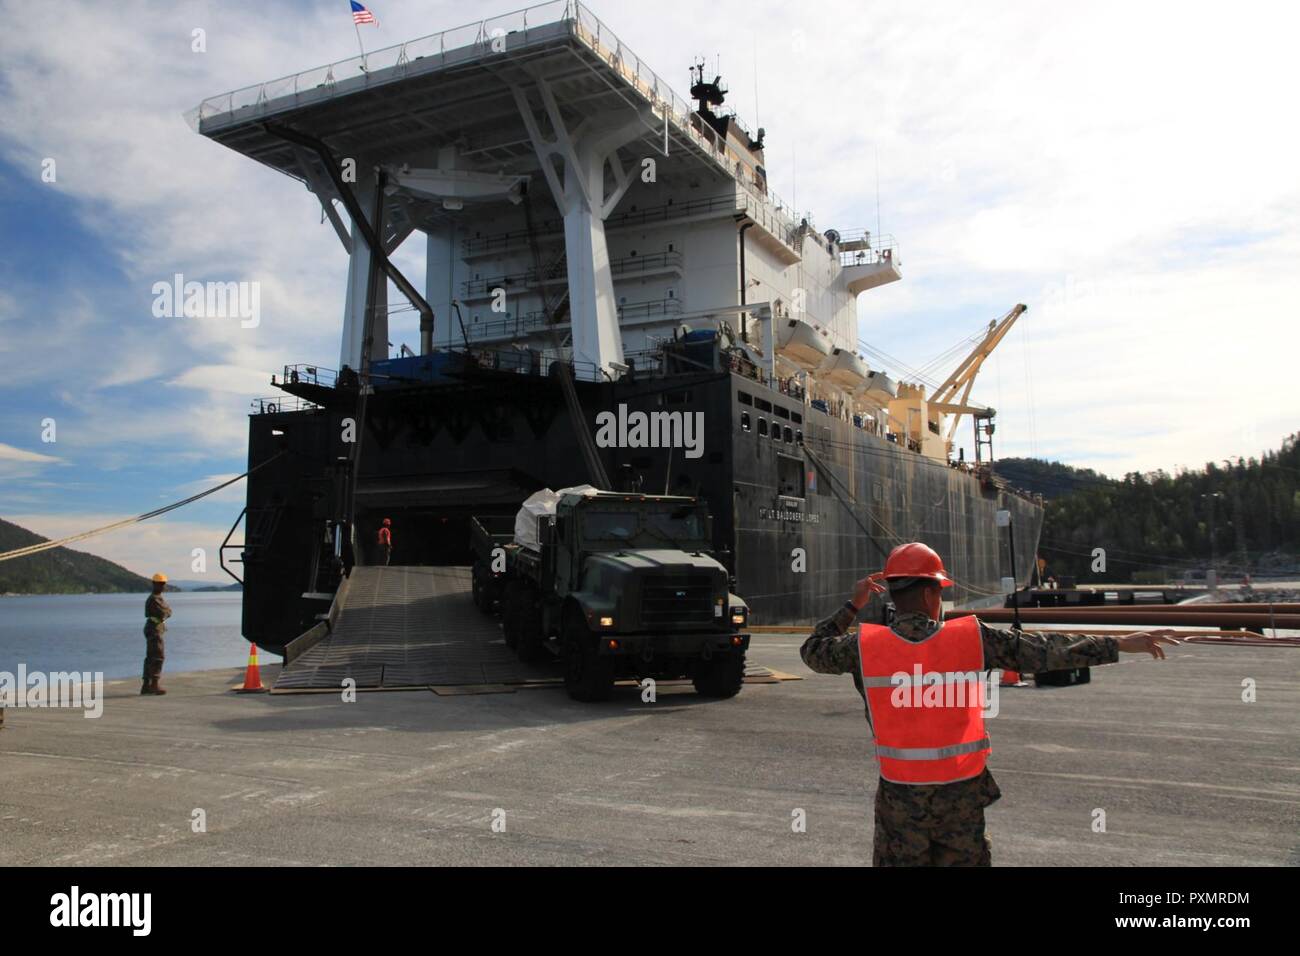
160, 578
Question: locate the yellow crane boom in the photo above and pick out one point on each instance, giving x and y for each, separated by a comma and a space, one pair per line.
963, 377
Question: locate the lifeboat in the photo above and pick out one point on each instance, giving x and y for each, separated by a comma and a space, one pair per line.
879, 389
800, 343
844, 368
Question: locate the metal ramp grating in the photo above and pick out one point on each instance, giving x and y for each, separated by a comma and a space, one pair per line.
409, 627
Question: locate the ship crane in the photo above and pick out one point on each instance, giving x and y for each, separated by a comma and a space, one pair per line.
963, 377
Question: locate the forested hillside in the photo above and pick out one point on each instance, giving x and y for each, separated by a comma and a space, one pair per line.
1244, 515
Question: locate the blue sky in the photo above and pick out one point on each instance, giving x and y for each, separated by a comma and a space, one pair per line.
1126, 172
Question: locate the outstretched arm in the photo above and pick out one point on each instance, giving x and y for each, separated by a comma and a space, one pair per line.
1038, 651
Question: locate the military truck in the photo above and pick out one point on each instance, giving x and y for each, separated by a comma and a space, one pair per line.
620, 586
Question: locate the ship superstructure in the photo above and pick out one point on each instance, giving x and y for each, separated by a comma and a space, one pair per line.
578, 215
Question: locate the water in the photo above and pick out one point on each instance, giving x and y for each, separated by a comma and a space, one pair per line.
105, 632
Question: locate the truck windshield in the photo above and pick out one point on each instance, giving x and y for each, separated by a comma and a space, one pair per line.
676, 528
609, 525
680, 527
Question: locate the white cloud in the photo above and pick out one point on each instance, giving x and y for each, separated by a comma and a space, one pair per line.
225, 378
10, 453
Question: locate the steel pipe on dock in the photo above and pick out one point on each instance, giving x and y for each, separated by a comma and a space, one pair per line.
1157, 616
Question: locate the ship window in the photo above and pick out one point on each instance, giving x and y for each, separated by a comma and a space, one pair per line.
670, 247
762, 406
789, 435
781, 412
798, 435
744, 421
789, 476
675, 398
796, 418
672, 294
744, 398
762, 427
776, 432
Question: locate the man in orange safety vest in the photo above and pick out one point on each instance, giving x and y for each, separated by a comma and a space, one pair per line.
922, 680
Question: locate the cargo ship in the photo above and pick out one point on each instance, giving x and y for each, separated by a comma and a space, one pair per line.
613, 295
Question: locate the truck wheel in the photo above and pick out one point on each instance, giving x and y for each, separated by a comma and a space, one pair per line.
720, 676
522, 623
587, 676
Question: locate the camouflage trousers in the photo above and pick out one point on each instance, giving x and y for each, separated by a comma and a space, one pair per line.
154, 655
929, 833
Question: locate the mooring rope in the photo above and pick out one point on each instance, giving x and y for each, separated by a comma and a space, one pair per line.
47, 545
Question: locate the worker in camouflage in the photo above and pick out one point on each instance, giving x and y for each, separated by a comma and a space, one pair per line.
943, 824
156, 612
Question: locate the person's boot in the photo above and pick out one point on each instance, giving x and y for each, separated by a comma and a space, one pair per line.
154, 688
144, 687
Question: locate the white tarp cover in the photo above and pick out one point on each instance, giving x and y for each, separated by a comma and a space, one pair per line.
537, 505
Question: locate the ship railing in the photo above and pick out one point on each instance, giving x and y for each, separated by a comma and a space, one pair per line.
625, 265
497, 242
866, 248
528, 322
535, 363
308, 374
278, 404
458, 43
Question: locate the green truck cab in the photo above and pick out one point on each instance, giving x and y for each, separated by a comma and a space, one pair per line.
621, 586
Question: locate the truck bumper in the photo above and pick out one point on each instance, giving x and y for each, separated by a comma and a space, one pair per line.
671, 645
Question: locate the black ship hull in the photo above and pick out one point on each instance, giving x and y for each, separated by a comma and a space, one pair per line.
804, 503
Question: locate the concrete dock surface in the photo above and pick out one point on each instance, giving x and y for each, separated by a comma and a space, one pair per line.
1186, 772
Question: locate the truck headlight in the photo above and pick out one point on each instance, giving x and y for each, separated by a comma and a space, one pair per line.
737, 615
606, 622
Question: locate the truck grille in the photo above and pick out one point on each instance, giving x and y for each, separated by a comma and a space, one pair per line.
681, 599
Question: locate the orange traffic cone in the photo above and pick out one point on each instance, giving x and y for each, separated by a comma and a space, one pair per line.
253, 675
1010, 679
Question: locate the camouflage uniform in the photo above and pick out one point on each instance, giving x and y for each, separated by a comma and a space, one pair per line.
156, 613
943, 824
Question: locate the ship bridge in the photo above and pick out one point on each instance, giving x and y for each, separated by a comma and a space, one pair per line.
546, 101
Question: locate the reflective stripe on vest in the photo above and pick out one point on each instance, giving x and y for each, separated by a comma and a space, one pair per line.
926, 702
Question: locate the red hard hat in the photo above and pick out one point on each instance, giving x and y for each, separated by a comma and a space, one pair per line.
387, 522
916, 560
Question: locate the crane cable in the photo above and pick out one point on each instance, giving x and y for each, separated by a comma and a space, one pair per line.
48, 545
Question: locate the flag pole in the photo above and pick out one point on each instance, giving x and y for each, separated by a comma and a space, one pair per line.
360, 45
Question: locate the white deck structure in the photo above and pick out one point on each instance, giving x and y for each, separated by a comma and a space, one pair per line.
566, 197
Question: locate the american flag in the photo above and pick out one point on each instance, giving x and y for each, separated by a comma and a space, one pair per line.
361, 15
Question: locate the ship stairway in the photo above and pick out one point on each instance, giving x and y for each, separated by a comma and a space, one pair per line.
407, 627
558, 309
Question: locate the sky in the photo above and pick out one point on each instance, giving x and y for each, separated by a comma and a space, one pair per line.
1127, 171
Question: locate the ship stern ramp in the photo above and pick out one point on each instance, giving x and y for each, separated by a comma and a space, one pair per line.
407, 627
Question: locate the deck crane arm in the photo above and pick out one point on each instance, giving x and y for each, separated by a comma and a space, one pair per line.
963, 377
